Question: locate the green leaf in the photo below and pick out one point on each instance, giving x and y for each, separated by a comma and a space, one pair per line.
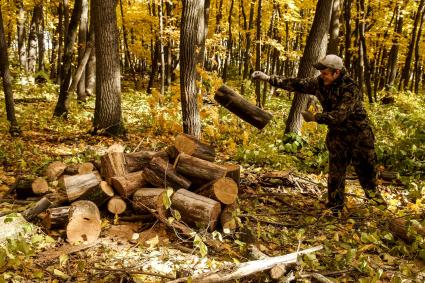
176, 214
166, 198
60, 274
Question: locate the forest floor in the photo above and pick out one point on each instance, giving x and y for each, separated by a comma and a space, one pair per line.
280, 208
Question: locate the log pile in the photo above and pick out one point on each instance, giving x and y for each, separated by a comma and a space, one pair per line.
182, 181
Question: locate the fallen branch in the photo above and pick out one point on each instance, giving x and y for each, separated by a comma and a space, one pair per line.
246, 268
52, 254
127, 271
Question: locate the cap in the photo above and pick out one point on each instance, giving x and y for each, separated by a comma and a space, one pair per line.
330, 61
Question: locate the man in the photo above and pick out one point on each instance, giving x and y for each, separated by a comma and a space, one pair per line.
350, 137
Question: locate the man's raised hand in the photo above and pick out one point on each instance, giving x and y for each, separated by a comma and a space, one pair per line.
258, 75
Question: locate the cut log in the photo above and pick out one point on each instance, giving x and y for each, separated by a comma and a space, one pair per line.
28, 188
191, 166
224, 190
276, 271
56, 217
126, 185
389, 175
113, 165
85, 168
405, 229
117, 205
77, 185
39, 207
172, 153
137, 161
196, 209
244, 109
99, 194
84, 222
234, 172
161, 174
228, 219
148, 198
192, 146
54, 170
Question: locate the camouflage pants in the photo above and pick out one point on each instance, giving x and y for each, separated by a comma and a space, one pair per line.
358, 149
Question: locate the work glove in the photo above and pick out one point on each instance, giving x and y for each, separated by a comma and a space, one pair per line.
258, 75
308, 116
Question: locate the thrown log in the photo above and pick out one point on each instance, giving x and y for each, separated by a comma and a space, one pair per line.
148, 198
56, 217
54, 170
197, 168
127, 184
161, 174
78, 185
196, 209
224, 190
113, 164
84, 222
192, 146
117, 205
245, 110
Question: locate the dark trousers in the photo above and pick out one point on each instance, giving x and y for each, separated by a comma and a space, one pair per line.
358, 149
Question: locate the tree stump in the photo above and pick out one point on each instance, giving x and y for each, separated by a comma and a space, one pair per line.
113, 164
191, 166
224, 190
117, 205
245, 110
127, 184
84, 222
148, 198
161, 174
56, 217
196, 209
192, 146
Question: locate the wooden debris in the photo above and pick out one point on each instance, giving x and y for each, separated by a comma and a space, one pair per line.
39, 207
224, 190
56, 217
162, 175
127, 184
190, 166
55, 169
117, 205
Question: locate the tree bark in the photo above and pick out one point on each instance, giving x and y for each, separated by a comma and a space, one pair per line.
347, 17
162, 175
21, 32
393, 57
83, 44
7, 82
194, 167
314, 50
192, 146
108, 113
333, 44
127, 184
62, 106
247, 56
192, 24
37, 17
258, 54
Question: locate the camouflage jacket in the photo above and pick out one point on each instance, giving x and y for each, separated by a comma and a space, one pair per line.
341, 102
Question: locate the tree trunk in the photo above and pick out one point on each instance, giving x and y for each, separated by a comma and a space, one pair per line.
7, 82
61, 31
333, 44
21, 32
416, 69
107, 114
62, 106
37, 17
82, 46
405, 75
258, 53
247, 56
365, 59
229, 43
192, 24
91, 72
314, 50
393, 57
347, 17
